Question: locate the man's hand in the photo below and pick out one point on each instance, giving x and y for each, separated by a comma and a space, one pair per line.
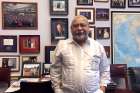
103, 88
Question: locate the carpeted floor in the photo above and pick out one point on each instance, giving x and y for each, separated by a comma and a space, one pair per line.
3, 87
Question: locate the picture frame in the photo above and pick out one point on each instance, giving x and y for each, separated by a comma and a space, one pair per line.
101, 1
117, 3
13, 16
10, 61
31, 70
92, 31
107, 50
102, 14
125, 52
49, 53
8, 43
133, 3
29, 59
84, 2
29, 43
102, 33
58, 7
89, 13
46, 69
59, 29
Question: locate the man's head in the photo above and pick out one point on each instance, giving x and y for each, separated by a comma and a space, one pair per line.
80, 29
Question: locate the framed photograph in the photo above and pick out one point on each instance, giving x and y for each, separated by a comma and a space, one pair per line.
19, 15
31, 70
29, 43
84, 2
10, 61
125, 37
117, 3
59, 29
29, 59
101, 0
46, 68
107, 50
8, 43
89, 13
49, 53
58, 7
102, 33
92, 31
133, 3
102, 14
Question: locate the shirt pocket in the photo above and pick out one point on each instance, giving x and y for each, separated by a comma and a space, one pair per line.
94, 62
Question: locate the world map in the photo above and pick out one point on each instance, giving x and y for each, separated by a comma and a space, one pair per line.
126, 38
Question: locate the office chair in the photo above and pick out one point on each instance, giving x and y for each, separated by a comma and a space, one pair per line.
36, 87
118, 71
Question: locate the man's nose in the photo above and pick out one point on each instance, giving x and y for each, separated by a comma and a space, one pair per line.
79, 27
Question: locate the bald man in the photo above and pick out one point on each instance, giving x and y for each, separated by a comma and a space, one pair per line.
80, 64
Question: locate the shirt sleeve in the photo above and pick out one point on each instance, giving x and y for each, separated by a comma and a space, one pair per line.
104, 69
55, 70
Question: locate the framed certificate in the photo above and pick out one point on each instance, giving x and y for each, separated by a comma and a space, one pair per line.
8, 43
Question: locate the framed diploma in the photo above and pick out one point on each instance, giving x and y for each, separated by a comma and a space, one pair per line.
8, 43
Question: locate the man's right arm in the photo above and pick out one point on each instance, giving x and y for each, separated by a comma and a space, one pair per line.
56, 71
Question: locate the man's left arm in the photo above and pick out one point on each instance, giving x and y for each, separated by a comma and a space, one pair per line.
104, 71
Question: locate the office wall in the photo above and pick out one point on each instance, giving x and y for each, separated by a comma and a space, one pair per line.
44, 24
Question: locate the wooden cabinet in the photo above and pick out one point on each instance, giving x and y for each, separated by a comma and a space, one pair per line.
5, 75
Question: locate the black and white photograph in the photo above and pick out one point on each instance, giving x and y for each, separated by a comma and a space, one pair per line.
58, 7
133, 3
10, 61
46, 69
118, 3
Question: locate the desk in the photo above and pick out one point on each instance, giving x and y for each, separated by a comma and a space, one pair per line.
15, 87
5, 75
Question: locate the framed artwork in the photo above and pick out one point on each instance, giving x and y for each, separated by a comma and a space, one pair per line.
49, 53
133, 3
92, 31
8, 43
84, 2
102, 33
46, 68
102, 14
59, 29
125, 37
117, 3
89, 13
10, 61
101, 0
107, 50
19, 15
31, 70
58, 7
29, 58
29, 43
